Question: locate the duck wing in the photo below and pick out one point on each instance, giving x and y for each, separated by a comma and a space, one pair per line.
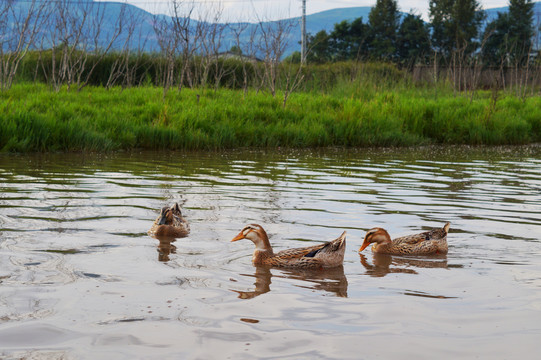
434, 234
328, 254
298, 253
335, 246
181, 223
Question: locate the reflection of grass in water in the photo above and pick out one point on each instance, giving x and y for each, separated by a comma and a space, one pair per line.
65, 252
33, 118
426, 295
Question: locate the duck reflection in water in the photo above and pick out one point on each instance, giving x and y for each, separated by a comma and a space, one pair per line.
330, 280
165, 247
383, 264
262, 283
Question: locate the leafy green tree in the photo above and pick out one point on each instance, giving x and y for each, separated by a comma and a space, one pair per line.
360, 38
384, 20
294, 58
455, 25
319, 50
340, 41
235, 50
509, 36
496, 48
440, 22
349, 40
413, 41
521, 29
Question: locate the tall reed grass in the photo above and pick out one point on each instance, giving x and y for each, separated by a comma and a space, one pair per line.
351, 114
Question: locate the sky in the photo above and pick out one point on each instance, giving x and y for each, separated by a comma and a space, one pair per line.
254, 10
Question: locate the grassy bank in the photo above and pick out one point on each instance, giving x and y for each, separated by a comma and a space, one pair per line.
33, 118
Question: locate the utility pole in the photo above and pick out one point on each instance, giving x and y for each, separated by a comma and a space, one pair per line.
303, 33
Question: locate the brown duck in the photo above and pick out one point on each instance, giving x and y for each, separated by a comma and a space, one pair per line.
426, 243
170, 223
326, 255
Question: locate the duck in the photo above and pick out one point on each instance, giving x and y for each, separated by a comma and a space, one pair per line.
170, 223
326, 255
426, 243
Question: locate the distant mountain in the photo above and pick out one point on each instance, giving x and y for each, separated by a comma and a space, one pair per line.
145, 36
325, 20
493, 13
86, 12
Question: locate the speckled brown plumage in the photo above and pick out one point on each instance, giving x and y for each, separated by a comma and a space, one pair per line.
426, 243
170, 223
326, 255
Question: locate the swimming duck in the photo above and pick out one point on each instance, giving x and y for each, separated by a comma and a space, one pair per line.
326, 255
170, 223
426, 243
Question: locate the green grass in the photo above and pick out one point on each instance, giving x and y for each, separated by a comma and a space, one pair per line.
35, 119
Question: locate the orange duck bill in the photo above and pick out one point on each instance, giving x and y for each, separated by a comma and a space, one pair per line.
364, 245
240, 236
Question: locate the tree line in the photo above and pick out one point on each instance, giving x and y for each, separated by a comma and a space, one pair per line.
72, 44
456, 33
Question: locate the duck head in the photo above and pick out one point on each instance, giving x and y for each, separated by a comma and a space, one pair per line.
176, 210
168, 214
256, 234
375, 235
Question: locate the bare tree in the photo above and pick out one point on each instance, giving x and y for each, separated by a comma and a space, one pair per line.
220, 70
273, 42
473, 77
78, 42
252, 50
65, 36
205, 29
294, 77
210, 32
122, 71
169, 44
121, 65
19, 26
100, 42
238, 30
177, 41
187, 37
135, 77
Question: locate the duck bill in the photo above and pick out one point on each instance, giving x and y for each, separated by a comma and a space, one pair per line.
240, 236
364, 245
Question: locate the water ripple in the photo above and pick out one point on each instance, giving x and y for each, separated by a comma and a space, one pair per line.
75, 252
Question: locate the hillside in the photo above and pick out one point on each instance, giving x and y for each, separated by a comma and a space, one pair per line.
108, 13
493, 12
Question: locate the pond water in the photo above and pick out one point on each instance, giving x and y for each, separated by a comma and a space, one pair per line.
80, 278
